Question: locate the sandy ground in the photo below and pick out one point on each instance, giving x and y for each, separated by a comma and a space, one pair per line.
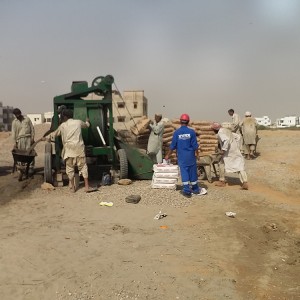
56, 245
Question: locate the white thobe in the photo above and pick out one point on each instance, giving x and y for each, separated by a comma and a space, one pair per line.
249, 130
235, 125
233, 159
155, 140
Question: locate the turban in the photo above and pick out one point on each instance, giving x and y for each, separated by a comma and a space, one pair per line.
216, 126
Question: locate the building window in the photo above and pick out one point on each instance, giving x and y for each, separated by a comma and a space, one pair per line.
135, 104
121, 104
121, 119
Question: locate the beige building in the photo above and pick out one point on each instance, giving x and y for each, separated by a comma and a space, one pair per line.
126, 108
131, 106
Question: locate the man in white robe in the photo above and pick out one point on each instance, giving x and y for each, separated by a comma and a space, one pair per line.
249, 132
231, 154
154, 147
235, 126
235, 121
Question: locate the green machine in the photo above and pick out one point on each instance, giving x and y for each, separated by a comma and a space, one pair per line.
103, 147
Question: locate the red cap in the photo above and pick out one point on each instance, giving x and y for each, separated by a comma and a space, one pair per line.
185, 117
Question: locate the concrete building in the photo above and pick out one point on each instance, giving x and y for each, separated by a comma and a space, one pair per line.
290, 121
6, 117
48, 116
264, 121
126, 108
132, 105
36, 118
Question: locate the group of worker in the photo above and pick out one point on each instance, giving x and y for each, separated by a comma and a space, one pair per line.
73, 152
247, 129
233, 142
184, 141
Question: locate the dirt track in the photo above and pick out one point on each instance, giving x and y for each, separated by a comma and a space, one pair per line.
55, 245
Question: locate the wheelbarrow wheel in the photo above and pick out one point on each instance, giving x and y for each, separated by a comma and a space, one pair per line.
48, 163
201, 173
123, 164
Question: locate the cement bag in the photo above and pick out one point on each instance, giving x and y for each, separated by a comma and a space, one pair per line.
160, 180
164, 168
227, 125
206, 132
141, 126
174, 175
171, 186
168, 134
167, 139
168, 129
201, 123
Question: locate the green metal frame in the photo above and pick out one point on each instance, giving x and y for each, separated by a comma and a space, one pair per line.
140, 165
100, 113
91, 109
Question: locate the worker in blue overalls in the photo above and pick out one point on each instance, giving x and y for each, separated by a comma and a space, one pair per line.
185, 143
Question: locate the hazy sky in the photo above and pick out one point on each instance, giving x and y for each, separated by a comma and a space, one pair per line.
199, 57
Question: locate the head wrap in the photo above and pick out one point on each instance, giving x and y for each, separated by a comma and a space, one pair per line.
247, 114
61, 108
17, 111
216, 126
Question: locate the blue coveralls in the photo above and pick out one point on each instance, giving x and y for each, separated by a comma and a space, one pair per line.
184, 141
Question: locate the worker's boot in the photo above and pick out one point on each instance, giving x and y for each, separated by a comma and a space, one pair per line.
195, 189
186, 192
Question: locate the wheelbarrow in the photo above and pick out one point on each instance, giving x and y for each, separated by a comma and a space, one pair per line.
23, 159
206, 164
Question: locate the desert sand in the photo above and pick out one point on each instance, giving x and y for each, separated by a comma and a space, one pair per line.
59, 245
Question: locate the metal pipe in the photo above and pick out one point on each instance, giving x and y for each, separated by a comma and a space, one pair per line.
101, 136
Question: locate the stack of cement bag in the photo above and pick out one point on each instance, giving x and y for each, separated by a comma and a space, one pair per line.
138, 134
207, 139
141, 131
165, 176
169, 129
127, 136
